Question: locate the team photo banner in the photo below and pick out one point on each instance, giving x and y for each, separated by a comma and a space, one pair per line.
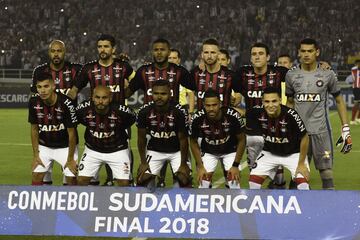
179, 213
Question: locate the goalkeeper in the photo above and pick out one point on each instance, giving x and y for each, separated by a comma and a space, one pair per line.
307, 89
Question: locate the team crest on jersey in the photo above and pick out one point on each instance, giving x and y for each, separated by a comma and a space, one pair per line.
38, 107
67, 79
107, 77
260, 83
226, 123
59, 116
112, 124
210, 85
57, 81
271, 75
217, 132
102, 125
319, 82
117, 75
162, 125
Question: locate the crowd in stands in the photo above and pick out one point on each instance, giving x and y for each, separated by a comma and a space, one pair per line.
28, 26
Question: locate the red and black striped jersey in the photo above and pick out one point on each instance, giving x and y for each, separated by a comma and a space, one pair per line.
282, 134
221, 82
217, 137
105, 133
53, 121
112, 76
163, 127
64, 79
355, 74
252, 84
147, 74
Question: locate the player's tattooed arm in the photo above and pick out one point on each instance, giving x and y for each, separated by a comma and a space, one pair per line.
35, 145
302, 168
195, 149
71, 163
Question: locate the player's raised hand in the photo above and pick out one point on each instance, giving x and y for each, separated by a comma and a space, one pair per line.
303, 170
345, 139
36, 161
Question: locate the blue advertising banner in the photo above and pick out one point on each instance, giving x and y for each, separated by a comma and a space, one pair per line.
179, 213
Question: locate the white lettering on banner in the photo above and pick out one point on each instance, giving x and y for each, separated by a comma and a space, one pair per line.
14, 98
200, 203
59, 201
116, 224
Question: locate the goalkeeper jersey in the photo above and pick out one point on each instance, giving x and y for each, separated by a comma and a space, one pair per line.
310, 92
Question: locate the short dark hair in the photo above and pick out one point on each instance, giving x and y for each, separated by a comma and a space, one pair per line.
272, 90
175, 50
211, 93
211, 41
161, 82
261, 45
107, 37
162, 40
44, 76
226, 53
309, 41
284, 55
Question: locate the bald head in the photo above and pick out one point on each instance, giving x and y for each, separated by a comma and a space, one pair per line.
57, 53
102, 98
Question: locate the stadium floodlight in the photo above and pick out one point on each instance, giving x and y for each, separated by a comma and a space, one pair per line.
137, 25
21, 40
197, 6
62, 10
6, 8
2, 51
85, 33
134, 43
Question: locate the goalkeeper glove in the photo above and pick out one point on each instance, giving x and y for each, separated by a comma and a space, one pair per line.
345, 139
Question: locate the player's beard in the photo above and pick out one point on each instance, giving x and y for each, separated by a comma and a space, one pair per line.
104, 56
57, 61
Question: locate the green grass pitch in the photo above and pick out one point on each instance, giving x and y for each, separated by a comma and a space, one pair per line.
16, 157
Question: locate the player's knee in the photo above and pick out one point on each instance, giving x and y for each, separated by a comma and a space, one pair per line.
145, 179
183, 179
327, 178
38, 177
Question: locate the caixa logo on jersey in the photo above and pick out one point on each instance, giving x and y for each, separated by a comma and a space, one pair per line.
308, 97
